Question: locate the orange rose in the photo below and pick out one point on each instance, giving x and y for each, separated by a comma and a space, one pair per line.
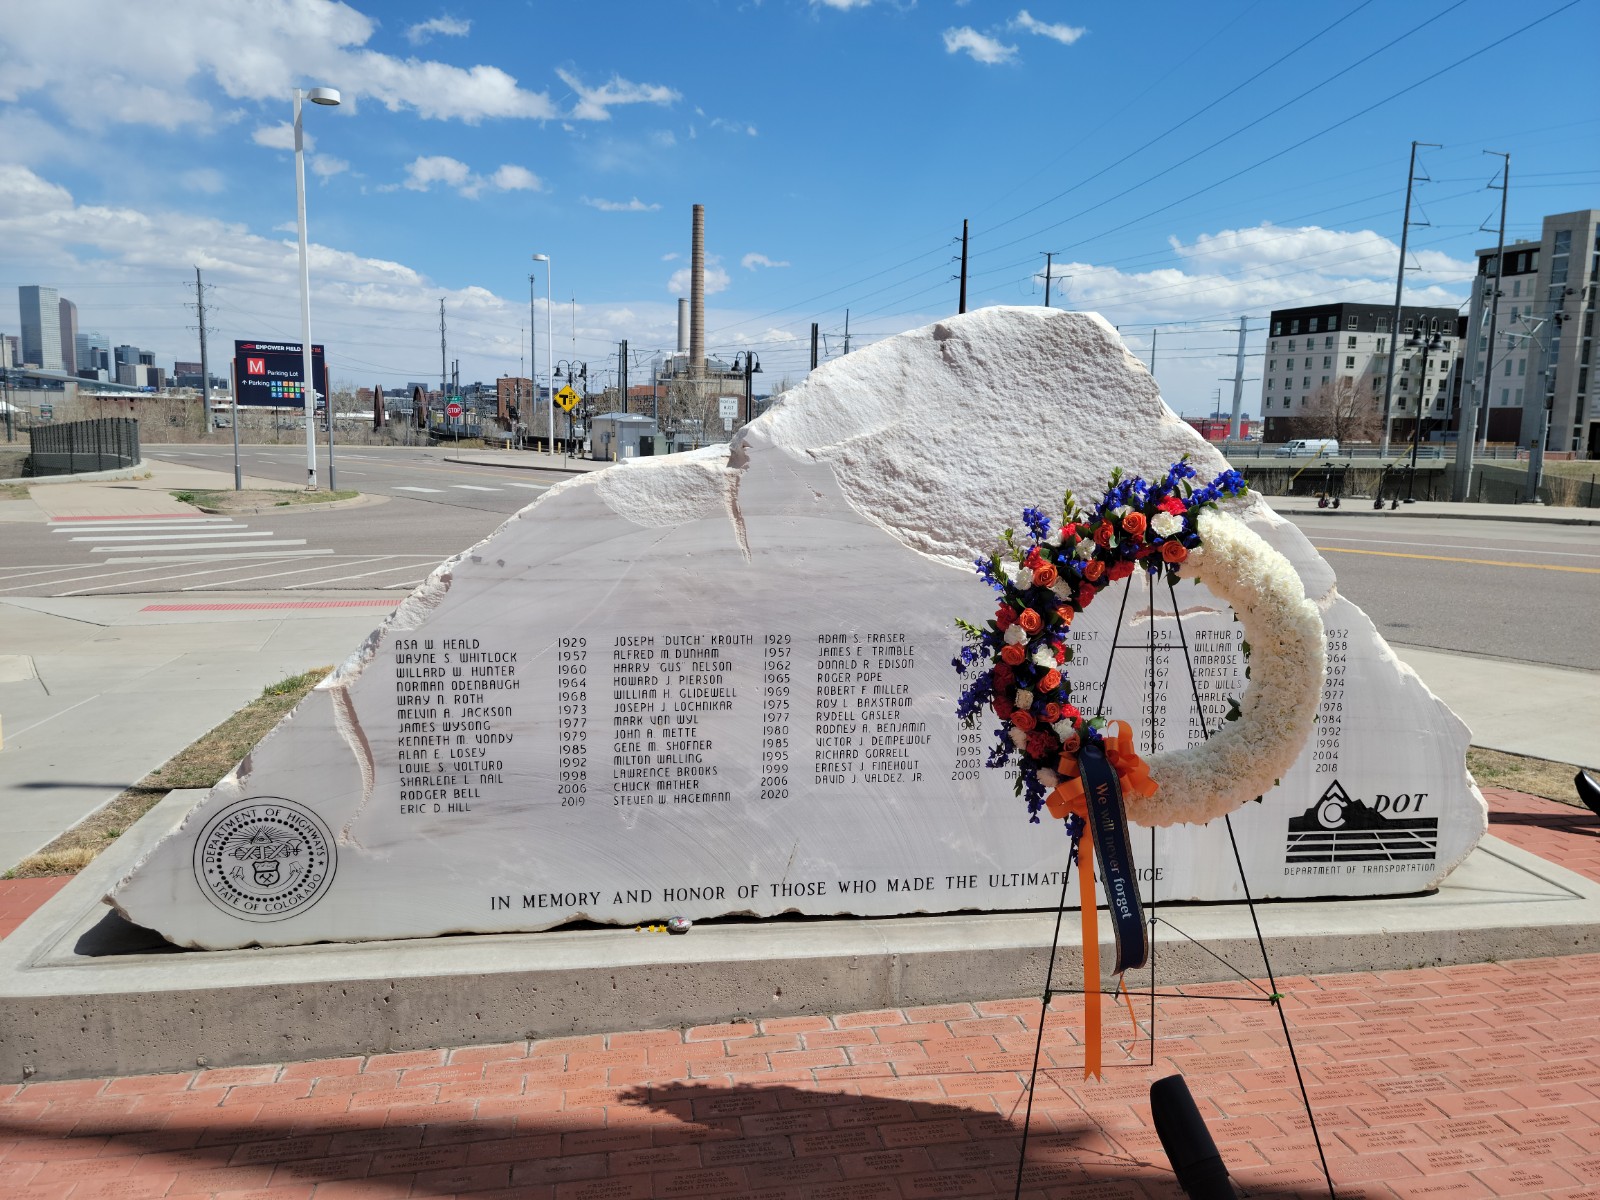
1065, 613
1051, 681
1052, 712
1173, 552
1044, 575
1013, 654
1103, 533
1023, 720
1030, 621
1133, 523
1093, 569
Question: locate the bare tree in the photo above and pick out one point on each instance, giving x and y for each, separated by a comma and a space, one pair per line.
1341, 410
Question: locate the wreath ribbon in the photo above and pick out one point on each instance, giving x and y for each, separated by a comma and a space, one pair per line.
1114, 767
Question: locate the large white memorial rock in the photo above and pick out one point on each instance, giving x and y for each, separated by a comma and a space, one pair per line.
721, 683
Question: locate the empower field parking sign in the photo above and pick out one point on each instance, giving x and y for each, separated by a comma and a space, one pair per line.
270, 374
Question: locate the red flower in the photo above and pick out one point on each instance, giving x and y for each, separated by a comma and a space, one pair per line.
1174, 552
1069, 712
1004, 676
1119, 570
1133, 524
1174, 506
1042, 744
1023, 720
1052, 712
1005, 617
1085, 595
1003, 708
1060, 652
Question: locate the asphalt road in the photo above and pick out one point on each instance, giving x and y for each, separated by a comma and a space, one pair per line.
1515, 590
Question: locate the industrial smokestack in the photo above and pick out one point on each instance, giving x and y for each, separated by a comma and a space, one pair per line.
697, 296
683, 325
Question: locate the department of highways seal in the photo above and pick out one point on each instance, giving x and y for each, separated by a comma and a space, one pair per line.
264, 859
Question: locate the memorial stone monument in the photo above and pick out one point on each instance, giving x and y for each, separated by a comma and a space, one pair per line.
720, 683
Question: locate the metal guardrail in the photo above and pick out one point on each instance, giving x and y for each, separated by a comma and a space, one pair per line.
1397, 451
103, 444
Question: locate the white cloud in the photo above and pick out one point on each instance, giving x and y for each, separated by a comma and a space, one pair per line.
281, 136
444, 26
204, 179
840, 5
717, 280
979, 47
1065, 34
511, 178
727, 126
1334, 252
135, 70
326, 166
595, 104
751, 261
425, 171
671, 256
634, 205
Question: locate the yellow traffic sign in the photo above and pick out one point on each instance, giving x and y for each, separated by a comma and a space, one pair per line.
568, 399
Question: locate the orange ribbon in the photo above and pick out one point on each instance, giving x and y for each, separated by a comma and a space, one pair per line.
1068, 797
1132, 773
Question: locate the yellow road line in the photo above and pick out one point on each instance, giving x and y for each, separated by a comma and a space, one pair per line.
1480, 562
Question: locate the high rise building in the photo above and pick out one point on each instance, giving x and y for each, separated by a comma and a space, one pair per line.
1538, 368
41, 326
93, 353
1318, 352
69, 334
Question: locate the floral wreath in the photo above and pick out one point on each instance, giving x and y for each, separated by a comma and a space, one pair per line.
1175, 528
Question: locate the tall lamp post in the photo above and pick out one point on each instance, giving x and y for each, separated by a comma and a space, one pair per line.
1427, 343
750, 365
329, 97
550, 346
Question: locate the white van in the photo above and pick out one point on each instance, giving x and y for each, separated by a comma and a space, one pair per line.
1309, 448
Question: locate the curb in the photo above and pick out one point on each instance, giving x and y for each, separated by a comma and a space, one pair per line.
1349, 511
140, 470
515, 466
357, 501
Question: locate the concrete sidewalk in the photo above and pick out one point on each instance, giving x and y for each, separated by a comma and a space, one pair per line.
147, 497
96, 692
1538, 514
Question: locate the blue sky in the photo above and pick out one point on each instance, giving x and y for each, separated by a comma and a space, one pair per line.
1189, 164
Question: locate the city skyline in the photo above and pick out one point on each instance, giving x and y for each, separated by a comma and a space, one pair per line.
837, 149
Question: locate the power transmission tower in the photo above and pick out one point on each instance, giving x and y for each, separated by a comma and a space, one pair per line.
1468, 433
813, 345
1238, 386
847, 330
1048, 255
1153, 334
205, 361
963, 307
1399, 291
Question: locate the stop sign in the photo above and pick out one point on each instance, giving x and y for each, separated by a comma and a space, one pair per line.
453, 410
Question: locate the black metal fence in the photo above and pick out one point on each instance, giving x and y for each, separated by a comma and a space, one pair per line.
106, 444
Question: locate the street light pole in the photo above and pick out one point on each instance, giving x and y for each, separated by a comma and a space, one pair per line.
330, 97
550, 343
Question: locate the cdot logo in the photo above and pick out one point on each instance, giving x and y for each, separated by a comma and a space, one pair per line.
255, 366
1337, 828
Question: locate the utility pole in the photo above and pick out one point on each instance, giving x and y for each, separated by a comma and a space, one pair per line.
963, 307
205, 361
813, 345
1048, 255
1399, 291
1238, 386
622, 374
442, 372
847, 330
1476, 434
1153, 334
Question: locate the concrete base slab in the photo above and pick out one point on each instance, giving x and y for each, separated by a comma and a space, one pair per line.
83, 993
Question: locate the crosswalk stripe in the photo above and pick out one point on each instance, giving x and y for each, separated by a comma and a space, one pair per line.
417, 489
121, 526
195, 558
472, 487
532, 487
201, 548
207, 536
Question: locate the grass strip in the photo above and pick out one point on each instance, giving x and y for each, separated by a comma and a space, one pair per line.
1535, 776
227, 500
200, 765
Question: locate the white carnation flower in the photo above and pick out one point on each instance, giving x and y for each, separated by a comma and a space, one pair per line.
1084, 549
1054, 538
1016, 635
1063, 729
1047, 777
1045, 657
1023, 578
1121, 511
1166, 524
1024, 698
1062, 588
1018, 738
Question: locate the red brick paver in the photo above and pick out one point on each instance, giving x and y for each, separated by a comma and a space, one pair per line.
1477, 1080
